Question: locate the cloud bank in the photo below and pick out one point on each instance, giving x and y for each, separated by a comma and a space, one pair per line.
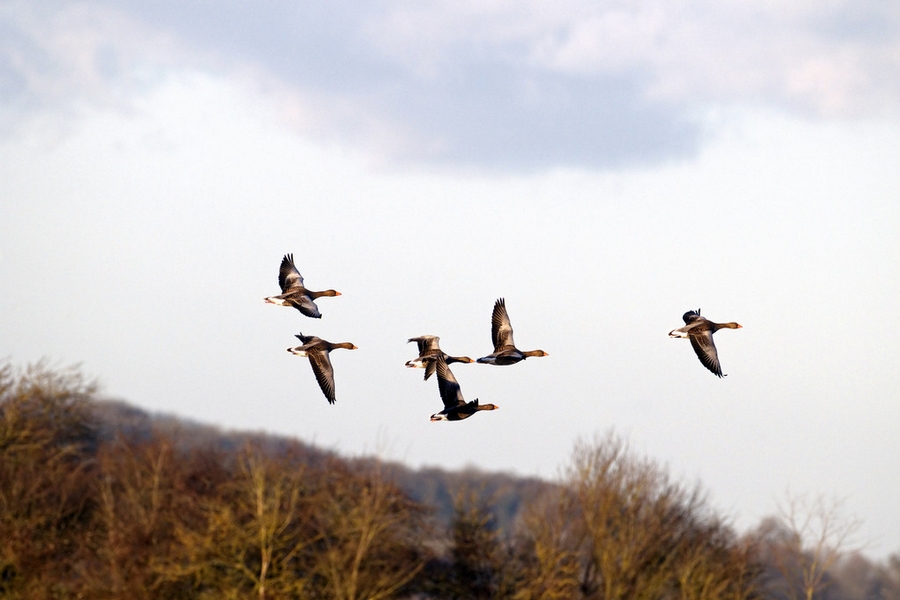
503, 85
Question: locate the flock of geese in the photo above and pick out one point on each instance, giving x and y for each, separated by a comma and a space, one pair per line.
699, 330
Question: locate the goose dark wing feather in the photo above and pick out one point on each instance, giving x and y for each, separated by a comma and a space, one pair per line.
501, 328
427, 343
306, 338
451, 394
703, 345
288, 275
321, 366
306, 306
691, 316
429, 349
430, 368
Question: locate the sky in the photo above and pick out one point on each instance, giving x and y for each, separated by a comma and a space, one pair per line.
603, 166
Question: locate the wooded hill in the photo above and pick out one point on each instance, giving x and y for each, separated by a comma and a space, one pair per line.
432, 487
98, 499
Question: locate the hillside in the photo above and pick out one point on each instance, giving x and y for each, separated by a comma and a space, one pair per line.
435, 488
100, 499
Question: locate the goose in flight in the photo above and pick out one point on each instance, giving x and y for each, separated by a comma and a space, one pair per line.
455, 406
317, 351
700, 331
429, 350
293, 293
505, 351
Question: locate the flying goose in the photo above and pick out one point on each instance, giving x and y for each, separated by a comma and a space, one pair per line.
700, 331
429, 350
505, 351
293, 293
317, 351
455, 406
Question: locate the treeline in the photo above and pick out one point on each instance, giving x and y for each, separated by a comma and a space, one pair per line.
101, 501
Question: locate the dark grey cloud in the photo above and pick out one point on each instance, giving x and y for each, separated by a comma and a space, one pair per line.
867, 21
516, 117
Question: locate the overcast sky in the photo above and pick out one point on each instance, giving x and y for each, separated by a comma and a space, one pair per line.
604, 166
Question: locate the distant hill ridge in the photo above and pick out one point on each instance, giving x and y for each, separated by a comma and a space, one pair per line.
434, 487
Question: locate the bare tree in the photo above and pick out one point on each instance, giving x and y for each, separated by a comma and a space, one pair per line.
806, 541
890, 579
253, 532
46, 480
549, 557
622, 530
369, 544
134, 493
